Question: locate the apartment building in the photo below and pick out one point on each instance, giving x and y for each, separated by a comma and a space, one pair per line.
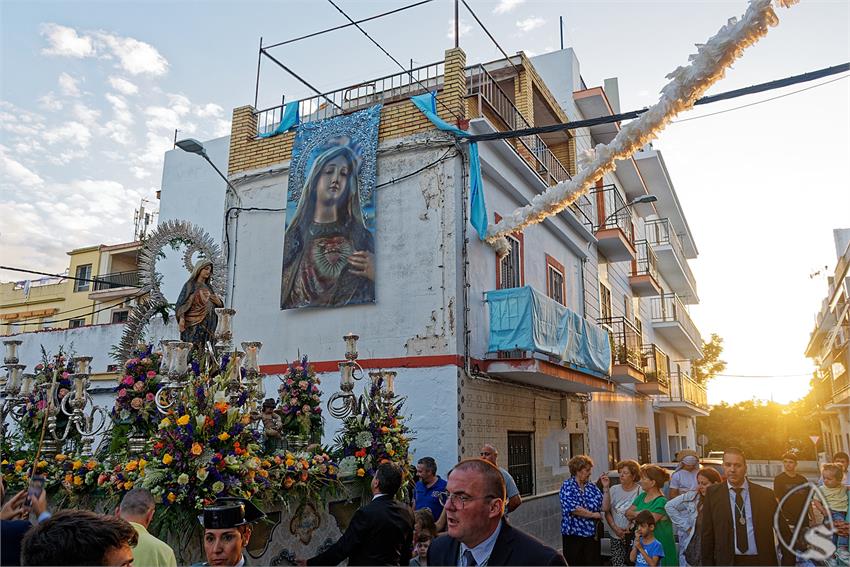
67, 303
828, 349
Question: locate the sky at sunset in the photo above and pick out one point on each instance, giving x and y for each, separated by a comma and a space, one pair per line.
91, 92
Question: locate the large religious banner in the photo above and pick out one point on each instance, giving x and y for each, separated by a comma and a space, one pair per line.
329, 239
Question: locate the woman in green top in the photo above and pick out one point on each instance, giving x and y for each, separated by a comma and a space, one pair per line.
652, 478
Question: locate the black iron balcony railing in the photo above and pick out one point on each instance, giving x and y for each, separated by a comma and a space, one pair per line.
645, 262
669, 308
659, 232
656, 365
612, 211
626, 347
116, 280
390, 88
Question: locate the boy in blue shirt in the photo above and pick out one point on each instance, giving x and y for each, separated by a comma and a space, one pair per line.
647, 550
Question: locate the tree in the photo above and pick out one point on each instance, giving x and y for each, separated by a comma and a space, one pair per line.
710, 364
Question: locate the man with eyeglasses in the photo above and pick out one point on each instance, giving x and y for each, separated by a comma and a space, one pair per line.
490, 453
478, 534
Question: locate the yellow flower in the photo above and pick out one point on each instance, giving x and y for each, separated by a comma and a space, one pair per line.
18, 468
77, 464
391, 452
60, 457
142, 464
91, 465
223, 436
183, 420
289, 460
166, 459
20, 463
69, 478
246, 419
164, 423
197, 449
41, 464
361, 472
171, 497
131, 466
78, 480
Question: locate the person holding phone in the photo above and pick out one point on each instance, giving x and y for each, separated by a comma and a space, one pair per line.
14, 519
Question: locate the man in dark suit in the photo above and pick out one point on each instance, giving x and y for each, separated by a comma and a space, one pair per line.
380, 533
738, 518
477, 532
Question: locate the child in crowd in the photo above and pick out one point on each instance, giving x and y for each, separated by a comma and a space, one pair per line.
420, 551
836, 495
647, 550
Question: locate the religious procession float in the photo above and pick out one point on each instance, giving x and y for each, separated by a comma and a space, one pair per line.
191, 423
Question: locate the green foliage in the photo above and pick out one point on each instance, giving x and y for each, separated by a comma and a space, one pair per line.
764, 430
710, 365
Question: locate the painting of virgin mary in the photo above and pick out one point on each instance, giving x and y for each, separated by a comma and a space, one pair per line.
328, 250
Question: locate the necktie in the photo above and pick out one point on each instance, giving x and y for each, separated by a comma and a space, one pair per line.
740, 522
469, 559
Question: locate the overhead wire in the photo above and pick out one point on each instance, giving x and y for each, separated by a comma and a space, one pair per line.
388, 54
61, 276
105, 308
493, 39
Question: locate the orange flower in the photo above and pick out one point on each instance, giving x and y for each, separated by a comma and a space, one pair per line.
197, 449
223, 436
69, 478
91, 465
60, 457
171, 497
304, 476
132, 465
361, 472
222, 407
305, 465
288, 482
208, 421
263, 473
385, 429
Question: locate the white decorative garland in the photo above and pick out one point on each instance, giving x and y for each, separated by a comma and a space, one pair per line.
687, 84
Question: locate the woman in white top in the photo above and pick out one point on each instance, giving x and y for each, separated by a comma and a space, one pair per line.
684, 511
615, 501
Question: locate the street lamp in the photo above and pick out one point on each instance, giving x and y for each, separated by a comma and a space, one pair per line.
193, 146
636, 201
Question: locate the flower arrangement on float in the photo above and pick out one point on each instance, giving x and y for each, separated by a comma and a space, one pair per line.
37, 395
68, 478
135, 412
300, 403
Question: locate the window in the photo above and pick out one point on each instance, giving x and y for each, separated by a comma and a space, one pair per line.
83, 273
576, 444
555, 283
75, 323
613, 445
120, 316
643, 446
605, 301
112, 368
510, 266
521, 460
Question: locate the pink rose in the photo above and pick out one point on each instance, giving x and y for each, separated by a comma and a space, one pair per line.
317, 409
63, 392
302, 385
122, 392
305, 408
149, 397
315, 388
41, 405
128, 381
139, 386
289, 382
293, 401
146, 360
151, 374
65, 375
137, 403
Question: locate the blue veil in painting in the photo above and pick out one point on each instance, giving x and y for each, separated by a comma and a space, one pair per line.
328, 253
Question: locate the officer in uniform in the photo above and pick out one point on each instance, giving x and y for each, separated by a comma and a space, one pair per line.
227, 530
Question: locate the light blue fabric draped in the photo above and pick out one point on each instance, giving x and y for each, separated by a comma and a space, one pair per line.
427, 103
522, 318
288, 121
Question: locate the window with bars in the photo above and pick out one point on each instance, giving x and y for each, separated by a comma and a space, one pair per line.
605, 301
120, 316
613, 445
510, 265
83, 273
556, 284
521, 460
75, 323
643, 448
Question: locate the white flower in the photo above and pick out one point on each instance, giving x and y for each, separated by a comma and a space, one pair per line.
363, 439
347, 467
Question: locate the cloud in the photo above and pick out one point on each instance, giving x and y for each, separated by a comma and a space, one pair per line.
50, 102
123, 86
68, 85
118, 129
505, 6
64, 42
463, 28
16, 120
72, 132
134, 56
209, 110
17, 173
529, 24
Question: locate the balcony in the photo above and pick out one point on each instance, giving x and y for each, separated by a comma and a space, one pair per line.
537, 341
686, 397
115, 285
615, 232
672, 262
644, 277
656, 371
626, 354
670, 319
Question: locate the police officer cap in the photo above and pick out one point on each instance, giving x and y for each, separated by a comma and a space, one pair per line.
227, 513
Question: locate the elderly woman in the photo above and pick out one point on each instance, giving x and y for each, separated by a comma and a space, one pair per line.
684, 511
581, 508
615, 501
652, 479
195, 307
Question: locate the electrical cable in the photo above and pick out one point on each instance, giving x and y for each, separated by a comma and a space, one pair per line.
444, 157
809, 374
61, 276
117, 302
335, 28
140, 294
805, 77
387, 53
493, 39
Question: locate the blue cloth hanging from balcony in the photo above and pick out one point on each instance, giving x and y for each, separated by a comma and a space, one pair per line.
522, 318
427, 103
288, 121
